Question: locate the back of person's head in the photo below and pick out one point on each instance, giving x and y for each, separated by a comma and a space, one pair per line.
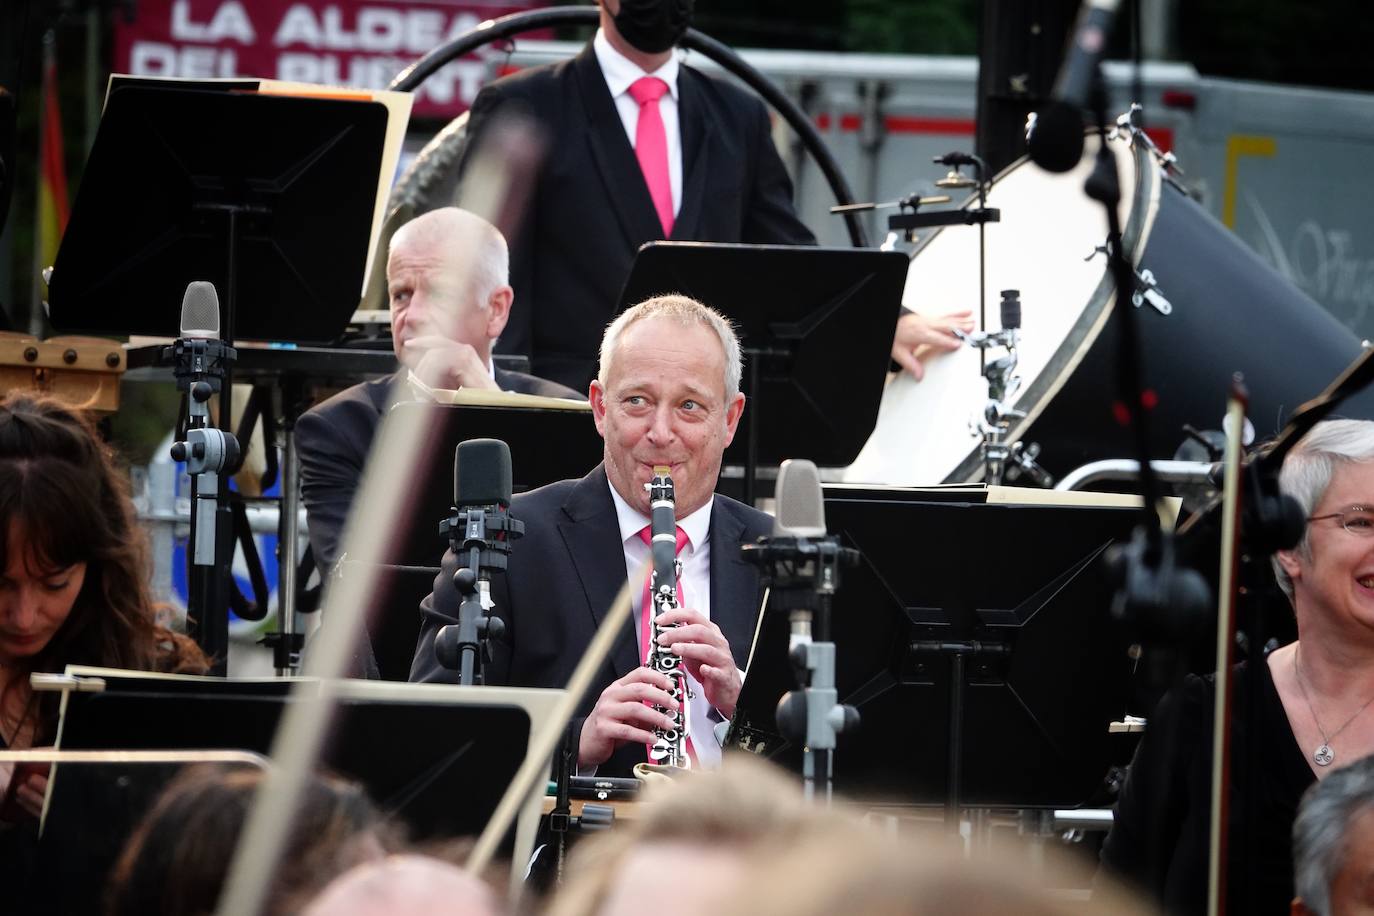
854, 868
746, 804
1334, 830
63, 501
460, 237
1308, 469
177, 859
405, 884
744, 841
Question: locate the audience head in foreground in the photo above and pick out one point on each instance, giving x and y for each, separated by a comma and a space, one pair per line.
1333, 844
176, 862
405, 885
742, 841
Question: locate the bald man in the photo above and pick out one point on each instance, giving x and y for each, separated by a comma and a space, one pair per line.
450, 299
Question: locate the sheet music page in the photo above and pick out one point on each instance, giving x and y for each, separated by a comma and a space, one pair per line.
1033, 496
482, 397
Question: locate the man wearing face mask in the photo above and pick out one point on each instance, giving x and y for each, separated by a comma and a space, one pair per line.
640, 148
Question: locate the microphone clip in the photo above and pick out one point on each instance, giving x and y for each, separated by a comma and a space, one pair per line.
487, 529
806, 566
1158, 599
199, 359
480, 537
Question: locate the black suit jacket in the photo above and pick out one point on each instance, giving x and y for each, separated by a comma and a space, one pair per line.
332, 442
564, 574
590, 209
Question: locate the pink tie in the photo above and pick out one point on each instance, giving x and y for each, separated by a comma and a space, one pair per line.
646, 617
651, 147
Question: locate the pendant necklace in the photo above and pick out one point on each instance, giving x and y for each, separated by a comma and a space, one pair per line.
1323, 755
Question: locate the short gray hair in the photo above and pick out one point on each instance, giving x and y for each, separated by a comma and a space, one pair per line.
1309, 467
1325, 814
487, 255
687, 312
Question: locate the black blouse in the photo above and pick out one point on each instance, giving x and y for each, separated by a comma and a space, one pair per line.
1159, 838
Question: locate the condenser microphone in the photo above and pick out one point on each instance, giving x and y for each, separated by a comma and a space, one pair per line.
200, 311
1054, 138
482, 474
200, 359
480, 532
800, 518
801, 513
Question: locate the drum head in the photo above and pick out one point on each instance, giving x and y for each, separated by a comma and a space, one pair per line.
1046, 246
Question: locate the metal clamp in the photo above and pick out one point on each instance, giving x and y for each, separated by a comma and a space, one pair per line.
1146, 286
1147, 290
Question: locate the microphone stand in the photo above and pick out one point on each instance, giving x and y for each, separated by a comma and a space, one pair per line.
486, 535
802, 574
211, 454
1152, 583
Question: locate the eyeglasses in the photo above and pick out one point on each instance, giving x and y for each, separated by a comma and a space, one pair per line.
1358, 520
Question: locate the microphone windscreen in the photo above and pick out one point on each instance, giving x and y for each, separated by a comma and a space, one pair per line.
200, 310
481, 473
801, 512
1055, 143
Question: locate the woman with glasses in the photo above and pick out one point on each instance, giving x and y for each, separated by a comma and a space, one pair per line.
1299, 713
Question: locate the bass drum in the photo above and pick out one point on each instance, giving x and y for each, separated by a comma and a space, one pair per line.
1221, 310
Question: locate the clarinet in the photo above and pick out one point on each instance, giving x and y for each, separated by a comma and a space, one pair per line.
670, 744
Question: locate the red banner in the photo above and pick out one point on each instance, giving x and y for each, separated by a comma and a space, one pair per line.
359, 43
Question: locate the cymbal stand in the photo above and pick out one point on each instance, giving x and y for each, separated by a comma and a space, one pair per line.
1003, 460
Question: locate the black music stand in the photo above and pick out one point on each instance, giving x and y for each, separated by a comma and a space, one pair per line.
546, 445
441, 770
816, 327
975, 641
269, 197
235, 188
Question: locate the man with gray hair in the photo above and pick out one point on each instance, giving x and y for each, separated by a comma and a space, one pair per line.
1333, 844
449, 295
667, 393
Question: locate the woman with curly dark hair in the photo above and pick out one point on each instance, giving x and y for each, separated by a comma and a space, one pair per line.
73, 577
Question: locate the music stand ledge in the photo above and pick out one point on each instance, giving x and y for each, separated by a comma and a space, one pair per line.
448, 754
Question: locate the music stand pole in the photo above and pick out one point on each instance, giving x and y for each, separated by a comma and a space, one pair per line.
751, 456
210, 582
213, 632
286, 648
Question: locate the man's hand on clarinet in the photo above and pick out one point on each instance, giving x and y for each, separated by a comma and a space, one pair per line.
620, 715
705, 654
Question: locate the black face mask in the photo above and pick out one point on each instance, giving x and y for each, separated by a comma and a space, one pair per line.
653, 26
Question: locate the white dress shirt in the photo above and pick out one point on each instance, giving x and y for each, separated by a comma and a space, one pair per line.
696, 593
620, 72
